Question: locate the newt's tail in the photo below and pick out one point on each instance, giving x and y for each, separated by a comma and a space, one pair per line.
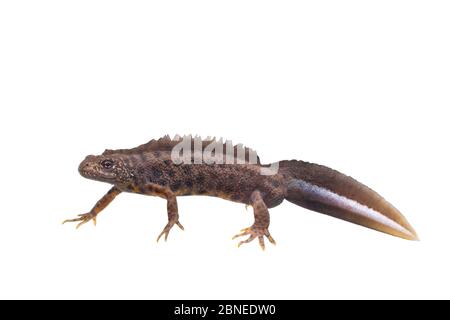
328, 191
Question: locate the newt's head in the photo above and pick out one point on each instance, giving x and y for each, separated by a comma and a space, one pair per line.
107, 168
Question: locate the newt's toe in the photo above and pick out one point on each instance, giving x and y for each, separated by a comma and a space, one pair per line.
83, 218
167, 229
253, 233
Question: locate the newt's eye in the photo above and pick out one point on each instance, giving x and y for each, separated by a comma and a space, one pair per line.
107, 164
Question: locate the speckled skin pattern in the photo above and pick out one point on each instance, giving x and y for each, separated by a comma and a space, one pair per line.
149, 170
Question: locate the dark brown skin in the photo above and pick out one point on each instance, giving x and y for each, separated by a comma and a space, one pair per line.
149, 170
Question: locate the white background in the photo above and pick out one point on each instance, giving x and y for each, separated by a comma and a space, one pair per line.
360, 86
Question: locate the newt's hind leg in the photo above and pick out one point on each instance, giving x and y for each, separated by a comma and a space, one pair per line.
99, 206
260, 227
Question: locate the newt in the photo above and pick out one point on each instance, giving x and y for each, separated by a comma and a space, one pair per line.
236, 175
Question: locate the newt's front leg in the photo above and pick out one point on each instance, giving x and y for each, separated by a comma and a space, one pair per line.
99, 206
172, 207
260, 227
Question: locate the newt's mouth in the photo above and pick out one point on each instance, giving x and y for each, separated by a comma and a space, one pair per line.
96, 176
88, 170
